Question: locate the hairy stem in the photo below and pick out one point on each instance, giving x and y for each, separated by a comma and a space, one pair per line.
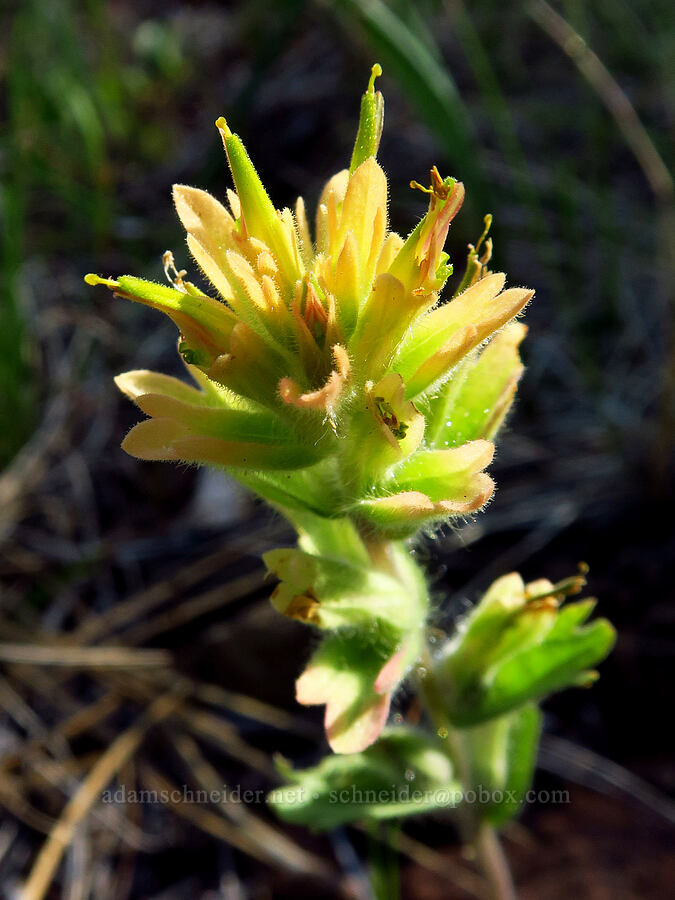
493, 863
476, 832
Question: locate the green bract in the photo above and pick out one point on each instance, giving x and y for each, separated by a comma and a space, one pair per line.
377, 621
405, 773
517, 646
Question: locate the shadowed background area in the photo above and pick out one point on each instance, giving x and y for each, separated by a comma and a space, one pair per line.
558, 118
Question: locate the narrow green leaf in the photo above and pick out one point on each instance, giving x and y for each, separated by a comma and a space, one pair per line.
546, 668
260, 217
570, 617
205, 323
533, 674
521, 758
261, 427
371, 122
503, 754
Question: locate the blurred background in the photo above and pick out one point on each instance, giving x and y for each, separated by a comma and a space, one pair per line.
558, 118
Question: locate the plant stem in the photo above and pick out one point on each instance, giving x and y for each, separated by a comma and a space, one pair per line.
476, 832
493, 863
380, 555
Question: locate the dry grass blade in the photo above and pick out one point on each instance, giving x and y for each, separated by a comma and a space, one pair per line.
12, 797
616, 101
48, 684
195, 607
29, 464
247, 706
243, 705
212, 823
42, 771
14, 704
275, 846
8, 834
456, 874
45, 772
55, 739
78, 868
588, 768
117, 754
208, 821
117, 823
123, 614
219, 732
89, 716
82, 657
226, 736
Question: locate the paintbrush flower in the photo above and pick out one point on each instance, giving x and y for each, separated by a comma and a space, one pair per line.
327, 347
329, 377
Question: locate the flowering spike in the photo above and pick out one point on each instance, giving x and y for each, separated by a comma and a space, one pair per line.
328, 377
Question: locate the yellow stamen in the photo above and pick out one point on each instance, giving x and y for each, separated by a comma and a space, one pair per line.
173, 276
488, 222
439, 188
222, 127
93, 280
375, 72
